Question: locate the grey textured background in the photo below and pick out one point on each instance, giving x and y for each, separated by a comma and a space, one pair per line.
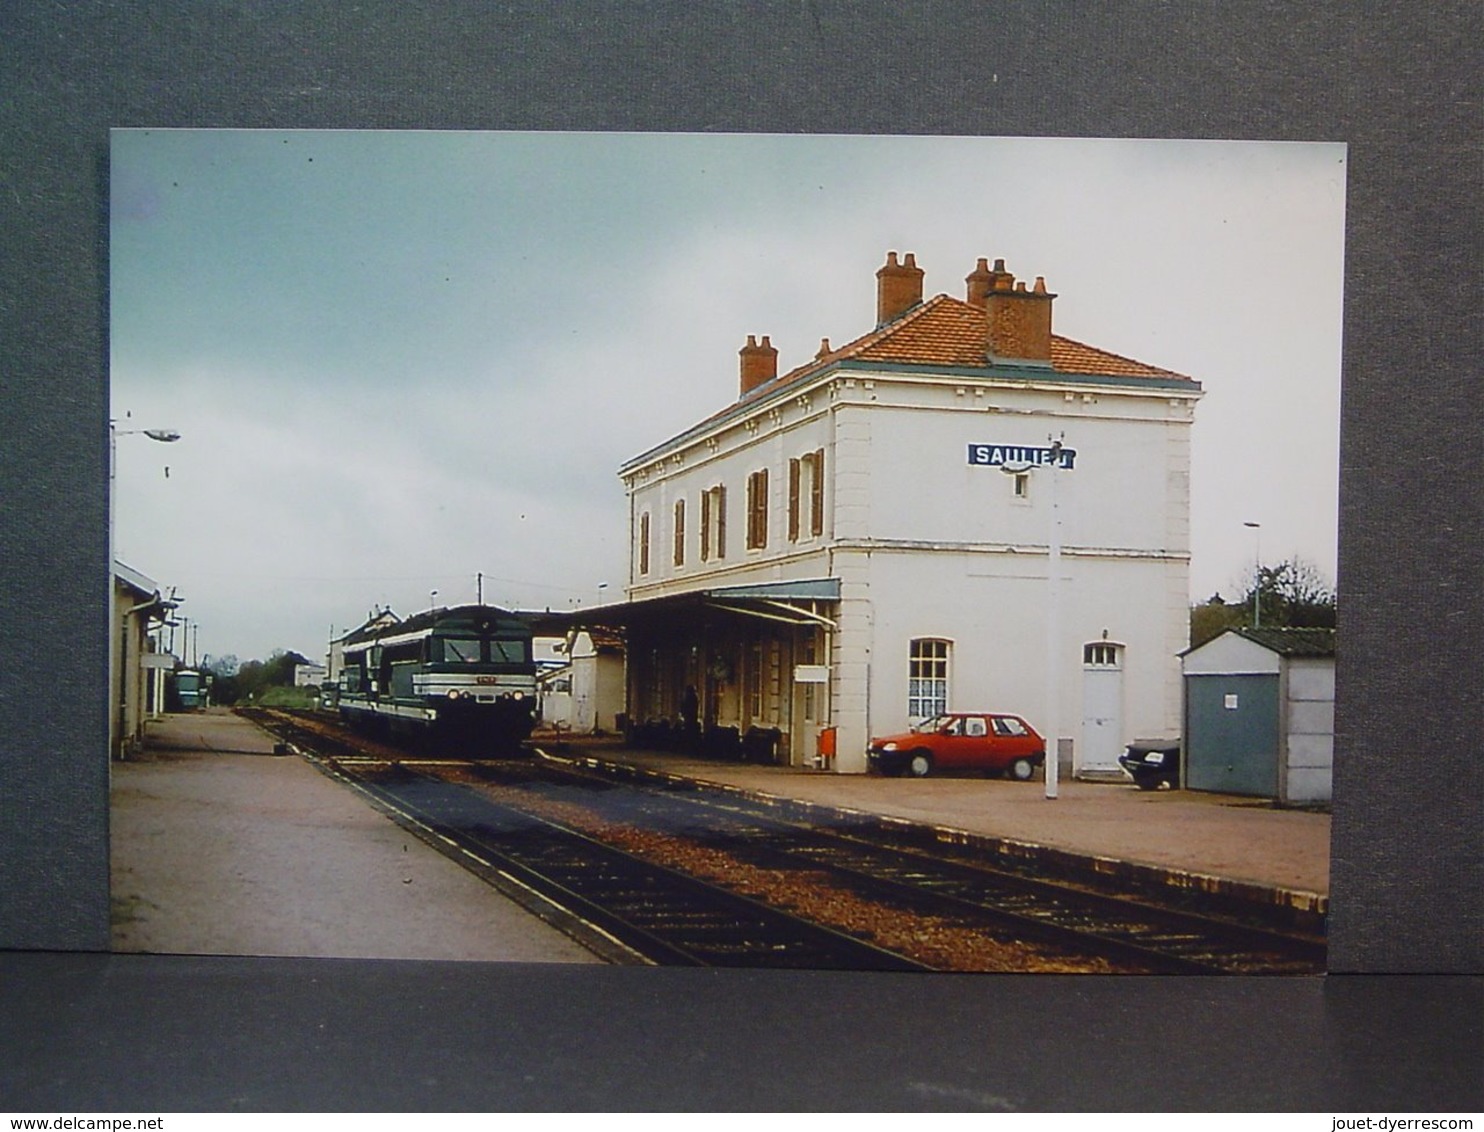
1401, 86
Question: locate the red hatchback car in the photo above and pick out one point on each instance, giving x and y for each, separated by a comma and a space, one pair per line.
962, 740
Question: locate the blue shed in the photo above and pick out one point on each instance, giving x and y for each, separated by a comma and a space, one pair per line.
1260, 714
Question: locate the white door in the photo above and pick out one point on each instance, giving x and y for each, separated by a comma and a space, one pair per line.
1102, 709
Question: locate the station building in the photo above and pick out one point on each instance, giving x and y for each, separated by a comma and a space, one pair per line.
868, 539
138, 665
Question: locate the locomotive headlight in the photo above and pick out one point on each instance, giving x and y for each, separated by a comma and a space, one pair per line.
520, 695
454, 694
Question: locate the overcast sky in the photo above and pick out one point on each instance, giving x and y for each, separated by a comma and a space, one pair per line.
400, 359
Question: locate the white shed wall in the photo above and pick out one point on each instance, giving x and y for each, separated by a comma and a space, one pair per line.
1309, 730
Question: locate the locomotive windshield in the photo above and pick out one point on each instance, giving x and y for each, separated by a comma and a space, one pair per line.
508, 651
460, 650
467, 650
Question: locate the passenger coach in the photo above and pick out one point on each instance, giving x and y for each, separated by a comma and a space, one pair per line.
463, 676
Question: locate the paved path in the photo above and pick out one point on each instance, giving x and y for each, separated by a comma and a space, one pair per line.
221, 848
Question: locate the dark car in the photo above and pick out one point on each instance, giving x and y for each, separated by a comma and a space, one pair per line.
962, 740
1152, 762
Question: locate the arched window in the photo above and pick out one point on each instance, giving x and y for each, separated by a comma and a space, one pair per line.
927, 683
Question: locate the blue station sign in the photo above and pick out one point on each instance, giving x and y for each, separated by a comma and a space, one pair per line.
1020, 455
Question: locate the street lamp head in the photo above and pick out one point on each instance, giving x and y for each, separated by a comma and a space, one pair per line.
164, 435
1253, 525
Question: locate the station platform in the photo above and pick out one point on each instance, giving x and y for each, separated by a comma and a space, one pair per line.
1244, 853
221, 847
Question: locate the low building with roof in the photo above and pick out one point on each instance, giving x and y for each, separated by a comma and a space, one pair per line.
138, 665
1260, 714
959, 509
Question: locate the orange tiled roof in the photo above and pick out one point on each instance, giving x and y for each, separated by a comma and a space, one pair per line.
946, 331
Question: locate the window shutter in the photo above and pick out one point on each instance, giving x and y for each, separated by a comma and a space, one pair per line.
762, 508
705, 525
680, 532
816, 495
757, 509
793, 501
721, 521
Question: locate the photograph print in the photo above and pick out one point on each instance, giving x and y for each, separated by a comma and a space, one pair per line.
822, 552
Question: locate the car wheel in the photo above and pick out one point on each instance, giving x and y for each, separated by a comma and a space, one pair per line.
919, 764
1021, 770
1147, 782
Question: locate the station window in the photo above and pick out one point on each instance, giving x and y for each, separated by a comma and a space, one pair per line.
1021, 485
714, 523
1101, 654
753, 680
680, 532
644, 543
757, 509
927, 685
806, 482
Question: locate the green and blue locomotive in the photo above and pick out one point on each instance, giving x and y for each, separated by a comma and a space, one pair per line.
463, 678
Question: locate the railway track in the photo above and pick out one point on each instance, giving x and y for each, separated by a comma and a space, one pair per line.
661, 914
1127, 932
643, 911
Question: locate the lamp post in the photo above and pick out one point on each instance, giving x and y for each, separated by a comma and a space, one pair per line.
1053, 613
115, 652
1256, 529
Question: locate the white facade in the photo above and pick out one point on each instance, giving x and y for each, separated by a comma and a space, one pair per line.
927, 546
310, 675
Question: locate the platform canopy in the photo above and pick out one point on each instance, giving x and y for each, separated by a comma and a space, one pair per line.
809, 601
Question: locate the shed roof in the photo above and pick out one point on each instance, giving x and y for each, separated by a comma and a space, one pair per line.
1290, 642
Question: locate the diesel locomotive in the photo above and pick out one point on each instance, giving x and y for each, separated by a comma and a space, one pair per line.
462, 678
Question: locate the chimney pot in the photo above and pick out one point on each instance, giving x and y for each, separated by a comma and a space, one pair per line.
1017, 320
978, 281
824, 347
758, 363
898, 287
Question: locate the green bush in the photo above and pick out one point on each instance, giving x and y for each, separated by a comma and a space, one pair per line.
281, 697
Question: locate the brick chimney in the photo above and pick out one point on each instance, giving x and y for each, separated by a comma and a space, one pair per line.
982, 280
759, 363
1019, 321
898, 287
